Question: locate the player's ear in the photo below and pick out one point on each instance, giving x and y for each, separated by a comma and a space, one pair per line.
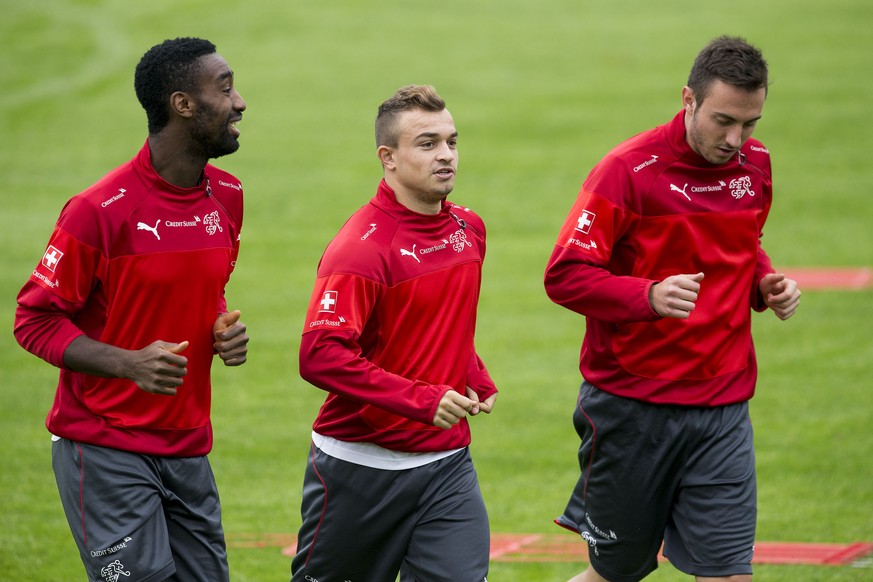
386, 156
688, 101
182, 104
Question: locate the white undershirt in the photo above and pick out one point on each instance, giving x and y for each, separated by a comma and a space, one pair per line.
374, 456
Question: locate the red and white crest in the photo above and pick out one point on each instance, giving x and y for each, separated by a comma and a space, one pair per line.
328, 302
584, 222
51, 258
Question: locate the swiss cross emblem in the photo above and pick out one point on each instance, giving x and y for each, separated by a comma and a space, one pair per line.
51, 258
584, 222
328, 302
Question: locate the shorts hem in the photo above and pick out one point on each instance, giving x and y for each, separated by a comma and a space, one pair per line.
568, 525
613, 577
712, 571
601, 570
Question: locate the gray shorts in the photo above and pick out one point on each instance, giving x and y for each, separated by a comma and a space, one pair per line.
428, 523
141, 518
654, 473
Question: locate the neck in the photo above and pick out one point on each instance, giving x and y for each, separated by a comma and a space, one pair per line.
417, 205
173, 163
413, 201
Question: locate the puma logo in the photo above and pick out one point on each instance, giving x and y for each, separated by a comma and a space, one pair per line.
680, 190
405, 253
151, 229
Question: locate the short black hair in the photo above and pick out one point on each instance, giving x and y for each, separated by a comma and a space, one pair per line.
729, 59
164, 69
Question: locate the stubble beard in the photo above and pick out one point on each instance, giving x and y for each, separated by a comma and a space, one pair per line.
205, 142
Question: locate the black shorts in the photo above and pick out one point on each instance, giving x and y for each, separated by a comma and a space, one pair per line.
428, 523
139, 517
655, 473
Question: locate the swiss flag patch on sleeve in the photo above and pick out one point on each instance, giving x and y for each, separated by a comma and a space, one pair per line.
68, 267
590, 227
340, 302
328, 302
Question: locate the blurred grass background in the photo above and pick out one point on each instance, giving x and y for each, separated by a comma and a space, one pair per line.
539, 92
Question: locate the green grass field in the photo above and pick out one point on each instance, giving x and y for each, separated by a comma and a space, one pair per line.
539, 92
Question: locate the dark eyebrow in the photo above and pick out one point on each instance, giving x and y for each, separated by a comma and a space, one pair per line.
228, 74
731, 118
431, 135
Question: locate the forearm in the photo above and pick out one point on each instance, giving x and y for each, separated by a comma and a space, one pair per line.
594, 291
157, 368
333, 362
96, 358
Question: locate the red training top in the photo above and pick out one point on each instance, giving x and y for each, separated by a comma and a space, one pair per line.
391, 322
650, 209
134, 259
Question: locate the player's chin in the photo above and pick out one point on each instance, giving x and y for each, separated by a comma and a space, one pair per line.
443, 189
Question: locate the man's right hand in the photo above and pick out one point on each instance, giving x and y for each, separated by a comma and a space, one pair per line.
158, 368
675, 296
452, 408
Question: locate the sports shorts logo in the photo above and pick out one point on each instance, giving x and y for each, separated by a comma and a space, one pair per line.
51, 258
113, 572
328, 302
109, 551
592, 542
584, 222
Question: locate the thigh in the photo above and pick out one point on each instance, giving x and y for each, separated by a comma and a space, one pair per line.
112, 502
712, 528
451, 539
193, 513
356, 521
629, 458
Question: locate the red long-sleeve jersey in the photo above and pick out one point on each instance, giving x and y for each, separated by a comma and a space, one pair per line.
391, 322
650, 209
134, 259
